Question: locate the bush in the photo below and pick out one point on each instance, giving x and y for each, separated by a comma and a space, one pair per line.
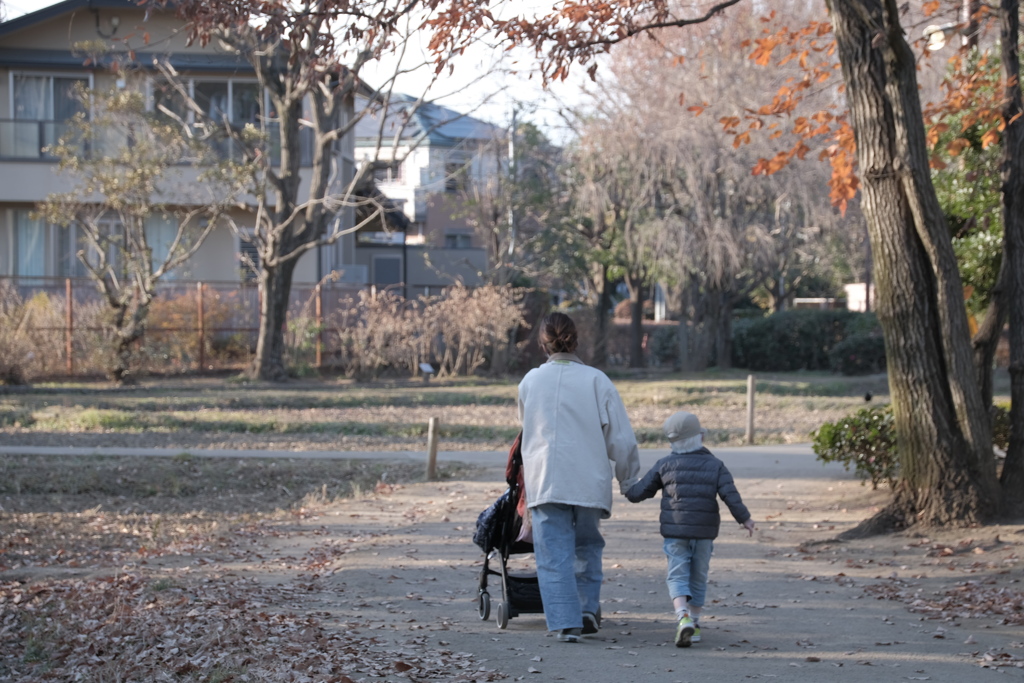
795, 340
458, 332
858, 354
866, 440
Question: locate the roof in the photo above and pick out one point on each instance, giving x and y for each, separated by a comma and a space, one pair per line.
64, 7
440, 126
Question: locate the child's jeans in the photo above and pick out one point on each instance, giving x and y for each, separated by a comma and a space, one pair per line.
688, 561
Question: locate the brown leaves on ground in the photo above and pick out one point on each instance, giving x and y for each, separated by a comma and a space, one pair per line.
185, 627
969, 599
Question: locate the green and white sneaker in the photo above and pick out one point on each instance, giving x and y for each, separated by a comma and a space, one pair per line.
684, 631
695, 638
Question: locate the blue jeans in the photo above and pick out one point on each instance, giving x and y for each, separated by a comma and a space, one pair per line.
567, 543
688, 562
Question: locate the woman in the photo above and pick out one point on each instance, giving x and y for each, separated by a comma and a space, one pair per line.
574, 427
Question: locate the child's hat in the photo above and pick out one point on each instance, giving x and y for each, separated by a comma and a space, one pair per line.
682, 425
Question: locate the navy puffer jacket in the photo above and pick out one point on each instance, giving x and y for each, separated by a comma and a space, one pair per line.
691, 483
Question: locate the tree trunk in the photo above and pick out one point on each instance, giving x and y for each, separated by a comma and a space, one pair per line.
275, 293
986, 340
723, 332
948, 475
636, 321
604, 304
1012, 478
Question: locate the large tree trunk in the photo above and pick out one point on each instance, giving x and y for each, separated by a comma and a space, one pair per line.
636, 320
986, 339
604, 304
1012, 478
275, 293
948, 475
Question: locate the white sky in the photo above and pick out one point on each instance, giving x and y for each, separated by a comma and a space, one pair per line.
491, 98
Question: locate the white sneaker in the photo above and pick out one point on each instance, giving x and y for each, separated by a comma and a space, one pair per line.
569, 635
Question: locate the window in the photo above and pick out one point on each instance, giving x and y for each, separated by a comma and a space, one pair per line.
29, 245
160, 233
458, 240
249, 255
455, 177
236, 101
387, 172
40, 107
69, 242
387, 270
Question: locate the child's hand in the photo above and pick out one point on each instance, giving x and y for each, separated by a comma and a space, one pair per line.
749, 526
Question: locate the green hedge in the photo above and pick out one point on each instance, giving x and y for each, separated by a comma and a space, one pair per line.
796, 340
858, 354
866, 441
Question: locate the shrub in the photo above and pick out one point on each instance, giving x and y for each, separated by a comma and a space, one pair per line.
858, 354
458, 331
795, 340
866, 440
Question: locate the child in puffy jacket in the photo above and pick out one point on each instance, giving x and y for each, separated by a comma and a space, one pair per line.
691, 480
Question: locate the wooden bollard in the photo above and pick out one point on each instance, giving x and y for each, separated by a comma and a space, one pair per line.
432, 429
750, 410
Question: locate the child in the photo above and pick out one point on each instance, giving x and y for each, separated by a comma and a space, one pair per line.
691, 479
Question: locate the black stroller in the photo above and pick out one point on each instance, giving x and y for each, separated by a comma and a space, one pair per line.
497, 529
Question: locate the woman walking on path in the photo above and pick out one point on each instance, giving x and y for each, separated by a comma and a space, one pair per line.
574, 428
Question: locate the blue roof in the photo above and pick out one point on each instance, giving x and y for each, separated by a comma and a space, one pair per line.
441, 126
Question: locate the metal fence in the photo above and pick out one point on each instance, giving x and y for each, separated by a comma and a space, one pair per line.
192, 327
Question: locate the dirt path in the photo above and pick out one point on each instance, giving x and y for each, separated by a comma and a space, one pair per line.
782, 605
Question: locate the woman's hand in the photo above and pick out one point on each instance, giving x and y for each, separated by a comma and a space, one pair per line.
749, 526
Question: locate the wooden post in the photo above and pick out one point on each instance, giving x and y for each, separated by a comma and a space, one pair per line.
432, 429
69, 327
319, 327
750, 409
202, 326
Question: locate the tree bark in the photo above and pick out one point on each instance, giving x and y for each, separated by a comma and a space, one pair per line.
986, 339
636, 320
948, 475
723, 332
275, 294
604, 304
1012, 478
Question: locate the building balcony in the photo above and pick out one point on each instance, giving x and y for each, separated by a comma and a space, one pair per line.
22, 140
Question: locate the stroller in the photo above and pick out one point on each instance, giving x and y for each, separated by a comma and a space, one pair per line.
497, 532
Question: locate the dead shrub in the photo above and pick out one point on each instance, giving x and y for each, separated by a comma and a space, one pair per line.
458, 331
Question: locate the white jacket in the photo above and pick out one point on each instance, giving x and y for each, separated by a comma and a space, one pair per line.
574, 428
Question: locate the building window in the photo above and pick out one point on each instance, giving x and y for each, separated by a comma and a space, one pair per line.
458, 240
249, 255
160, 233
387, 172
29, 245
387, 270
41, 106
69, 242
455, 176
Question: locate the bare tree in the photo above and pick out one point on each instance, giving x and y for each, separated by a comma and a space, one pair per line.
147, 195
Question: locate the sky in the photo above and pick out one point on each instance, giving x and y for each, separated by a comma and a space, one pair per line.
491, 97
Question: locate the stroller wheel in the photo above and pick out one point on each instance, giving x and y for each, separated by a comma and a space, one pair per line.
484, 605
502, 616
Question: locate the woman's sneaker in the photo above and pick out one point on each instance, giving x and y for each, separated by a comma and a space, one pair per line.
684, 631
591, 623
569, 635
